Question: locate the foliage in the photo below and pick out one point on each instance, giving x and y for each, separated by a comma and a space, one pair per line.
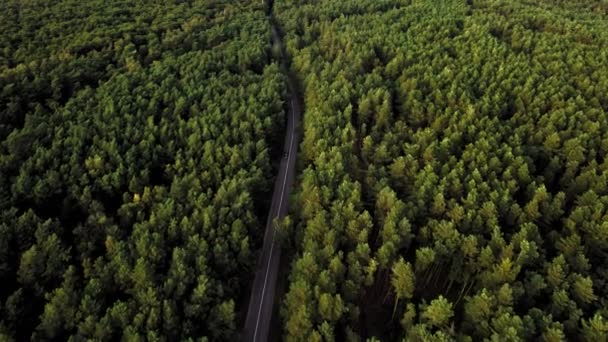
134, 166
461, 146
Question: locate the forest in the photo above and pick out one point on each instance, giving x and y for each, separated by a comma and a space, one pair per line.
453, 181
452, 174
135, 160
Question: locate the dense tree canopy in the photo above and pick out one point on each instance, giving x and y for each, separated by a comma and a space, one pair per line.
134, 166
454, 181
453, 176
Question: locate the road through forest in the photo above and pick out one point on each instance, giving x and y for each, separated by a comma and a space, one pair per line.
259, 312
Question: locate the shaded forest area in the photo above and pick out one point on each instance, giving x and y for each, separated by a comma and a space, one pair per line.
454, 182
135, 161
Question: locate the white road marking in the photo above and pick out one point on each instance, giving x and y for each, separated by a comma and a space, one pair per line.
257, 321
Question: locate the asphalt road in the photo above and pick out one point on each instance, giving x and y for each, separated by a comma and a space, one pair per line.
259, 312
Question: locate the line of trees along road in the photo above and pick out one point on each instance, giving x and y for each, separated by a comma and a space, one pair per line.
454, 179
134, 158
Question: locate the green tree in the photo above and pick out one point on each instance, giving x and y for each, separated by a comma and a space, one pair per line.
439, 312
403, 281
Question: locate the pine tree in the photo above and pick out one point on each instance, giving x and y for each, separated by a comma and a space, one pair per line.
403, 281
439, 312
